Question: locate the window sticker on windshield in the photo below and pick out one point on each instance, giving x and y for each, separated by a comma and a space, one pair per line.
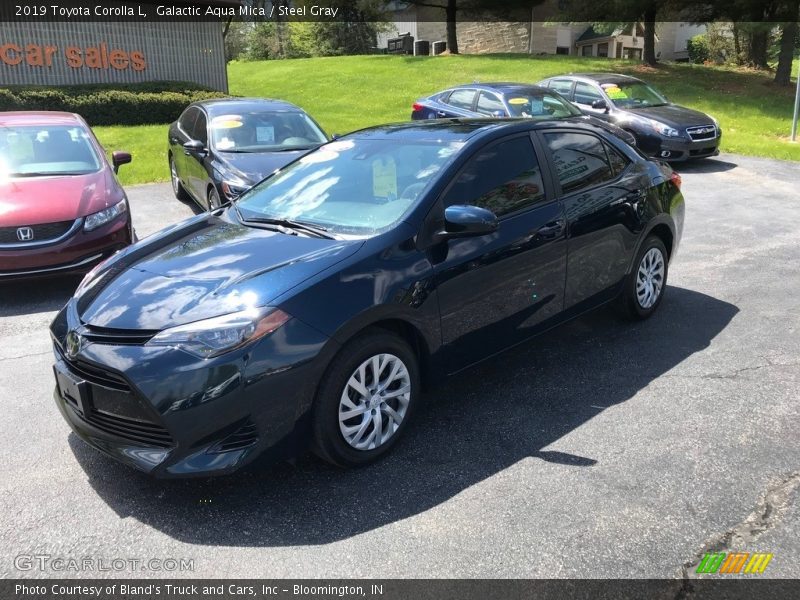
226, 122
517, 100
265, 134
614, 92
384, 178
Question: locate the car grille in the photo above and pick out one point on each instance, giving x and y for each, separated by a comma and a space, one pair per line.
41, 233
117, 337
702, 132
116, 410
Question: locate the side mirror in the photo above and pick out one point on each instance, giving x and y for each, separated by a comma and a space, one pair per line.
499, 114
463, 220
120, 158
335, 136
599, 104
195, 147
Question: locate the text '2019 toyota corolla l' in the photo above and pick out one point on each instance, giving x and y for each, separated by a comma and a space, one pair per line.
312, 310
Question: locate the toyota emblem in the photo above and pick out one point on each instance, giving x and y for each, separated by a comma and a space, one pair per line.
24, 234
74, 342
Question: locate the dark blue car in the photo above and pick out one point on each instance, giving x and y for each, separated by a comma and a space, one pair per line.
313, 309
505, 99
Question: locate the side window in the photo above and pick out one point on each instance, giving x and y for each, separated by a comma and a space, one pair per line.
503, 178
200, 129
617, 161
489, 104
562, 86
586, 94
187, 120
462, 99
580, 160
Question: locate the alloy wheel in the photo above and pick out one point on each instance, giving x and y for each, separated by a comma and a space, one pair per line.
173, 172
374, 401
650, 278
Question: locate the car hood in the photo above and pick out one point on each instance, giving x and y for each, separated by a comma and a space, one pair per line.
678, 117
255, 166
204, 267
33, 200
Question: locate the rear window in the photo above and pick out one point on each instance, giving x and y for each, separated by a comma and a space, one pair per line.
46, 150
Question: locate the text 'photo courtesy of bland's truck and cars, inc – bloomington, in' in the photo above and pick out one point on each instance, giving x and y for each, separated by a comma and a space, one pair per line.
504, 297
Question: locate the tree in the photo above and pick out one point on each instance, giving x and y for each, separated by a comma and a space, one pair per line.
452, 8
788, 44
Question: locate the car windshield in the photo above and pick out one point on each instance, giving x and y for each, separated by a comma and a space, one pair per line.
264, 132
356, 187
46, 150
633, 94
539, 105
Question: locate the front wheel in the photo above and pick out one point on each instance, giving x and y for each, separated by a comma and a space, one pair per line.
213, 199
365, 399
177, 186
644, 286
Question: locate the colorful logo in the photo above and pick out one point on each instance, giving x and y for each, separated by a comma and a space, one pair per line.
734, 562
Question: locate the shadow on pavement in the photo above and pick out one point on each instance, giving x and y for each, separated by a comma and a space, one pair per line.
474, 426
31, 296
705, 165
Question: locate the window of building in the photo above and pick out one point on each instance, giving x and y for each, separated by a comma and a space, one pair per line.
580, 160
602, 49
504, 178
586, 50
562, 50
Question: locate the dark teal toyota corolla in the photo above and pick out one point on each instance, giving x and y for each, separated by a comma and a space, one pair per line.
312, 310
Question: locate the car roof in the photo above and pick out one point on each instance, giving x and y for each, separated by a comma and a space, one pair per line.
462, 130
499, 86
219, 106
39, 117
596, 77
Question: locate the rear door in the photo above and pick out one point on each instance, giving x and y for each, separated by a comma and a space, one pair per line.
496, 290
600, 191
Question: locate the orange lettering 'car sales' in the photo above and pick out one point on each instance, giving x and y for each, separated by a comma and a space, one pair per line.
93, 57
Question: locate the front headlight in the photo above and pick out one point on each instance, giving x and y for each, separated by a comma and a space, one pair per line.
663, 129
107, 215
233, 188
218, 335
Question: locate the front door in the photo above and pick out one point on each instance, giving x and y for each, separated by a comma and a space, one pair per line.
496, 290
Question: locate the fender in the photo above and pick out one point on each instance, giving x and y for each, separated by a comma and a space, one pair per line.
662, 219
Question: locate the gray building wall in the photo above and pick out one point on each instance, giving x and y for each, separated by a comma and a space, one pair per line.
172, 51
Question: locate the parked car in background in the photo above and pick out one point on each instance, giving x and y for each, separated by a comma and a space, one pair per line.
219, 148
662, 129
503, 100
311, 309
62, 209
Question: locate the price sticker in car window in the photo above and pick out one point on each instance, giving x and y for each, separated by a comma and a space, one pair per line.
226, 122
614, 92
384, 178
265, 134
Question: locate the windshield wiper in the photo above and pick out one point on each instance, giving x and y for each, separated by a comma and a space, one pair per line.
291, 224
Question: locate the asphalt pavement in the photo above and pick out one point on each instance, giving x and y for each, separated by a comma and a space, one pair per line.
602, 449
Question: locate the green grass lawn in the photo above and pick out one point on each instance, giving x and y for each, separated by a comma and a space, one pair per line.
347, 93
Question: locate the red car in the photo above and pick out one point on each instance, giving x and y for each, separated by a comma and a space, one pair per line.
62, 209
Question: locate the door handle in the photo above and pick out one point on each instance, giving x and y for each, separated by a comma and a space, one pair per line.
551, 230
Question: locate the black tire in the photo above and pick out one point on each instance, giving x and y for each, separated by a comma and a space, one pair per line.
629, 301
177, 187
213, 199
328, 441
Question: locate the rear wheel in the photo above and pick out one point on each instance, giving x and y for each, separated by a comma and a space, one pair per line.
644, 286
365, 399
177, 186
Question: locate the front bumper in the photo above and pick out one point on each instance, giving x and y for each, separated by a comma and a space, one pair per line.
78, 253
169, 414
681, 148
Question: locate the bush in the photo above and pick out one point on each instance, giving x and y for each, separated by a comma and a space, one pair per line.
134, 104
697, 47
